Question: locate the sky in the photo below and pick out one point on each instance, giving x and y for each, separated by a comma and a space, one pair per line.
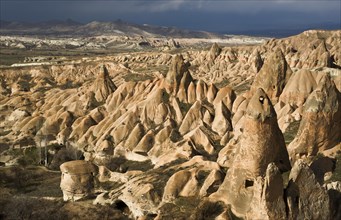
211, 15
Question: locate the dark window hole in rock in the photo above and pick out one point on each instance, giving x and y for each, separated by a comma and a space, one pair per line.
261, 99
248, 183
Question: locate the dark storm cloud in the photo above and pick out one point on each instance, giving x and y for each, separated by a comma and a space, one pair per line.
214, 15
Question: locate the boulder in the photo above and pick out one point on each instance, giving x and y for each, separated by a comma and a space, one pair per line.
78, 179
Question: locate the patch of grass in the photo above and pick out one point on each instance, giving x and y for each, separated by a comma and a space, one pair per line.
36, 155
26, 156
31, 208
20, 207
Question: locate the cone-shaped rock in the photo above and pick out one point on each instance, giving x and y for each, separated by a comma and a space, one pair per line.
320, 57
306, 198
201, 90
221, 123
183, 87
214, 52
267, 201
191, 95
211, 93
103, 86
261, 143
256, 61
321, 121
298, 88
273, 75
175, 73
261, 131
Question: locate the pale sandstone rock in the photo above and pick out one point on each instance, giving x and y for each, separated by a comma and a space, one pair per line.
226, 95
175, 73
146, 143
267, 201
260, 144
211, 93
201, 90
273, 75
103, 86
78, 179
298, 88
256, 61
191, 94
306, 198
201, 141
214, 52
321, 121
192, 119
221, 123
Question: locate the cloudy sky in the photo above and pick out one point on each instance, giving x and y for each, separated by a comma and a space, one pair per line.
211, 15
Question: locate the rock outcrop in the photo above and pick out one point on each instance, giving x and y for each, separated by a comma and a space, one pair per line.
214, 52
78, 179
298, 88
319, 57
306, 198
273, 75
321, 121
176, 72
103, 86
260, 144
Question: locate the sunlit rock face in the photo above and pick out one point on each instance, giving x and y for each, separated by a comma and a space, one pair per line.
321, 121
78, 179
298, 88
273, 75
103, 86
257, 162
178, 75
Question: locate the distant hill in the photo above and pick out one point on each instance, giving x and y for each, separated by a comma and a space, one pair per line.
95, 28
286, 32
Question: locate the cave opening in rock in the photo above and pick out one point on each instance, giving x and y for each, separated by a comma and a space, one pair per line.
248, 183
120, 205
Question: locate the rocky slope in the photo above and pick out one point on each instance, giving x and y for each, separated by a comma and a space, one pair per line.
224, 132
